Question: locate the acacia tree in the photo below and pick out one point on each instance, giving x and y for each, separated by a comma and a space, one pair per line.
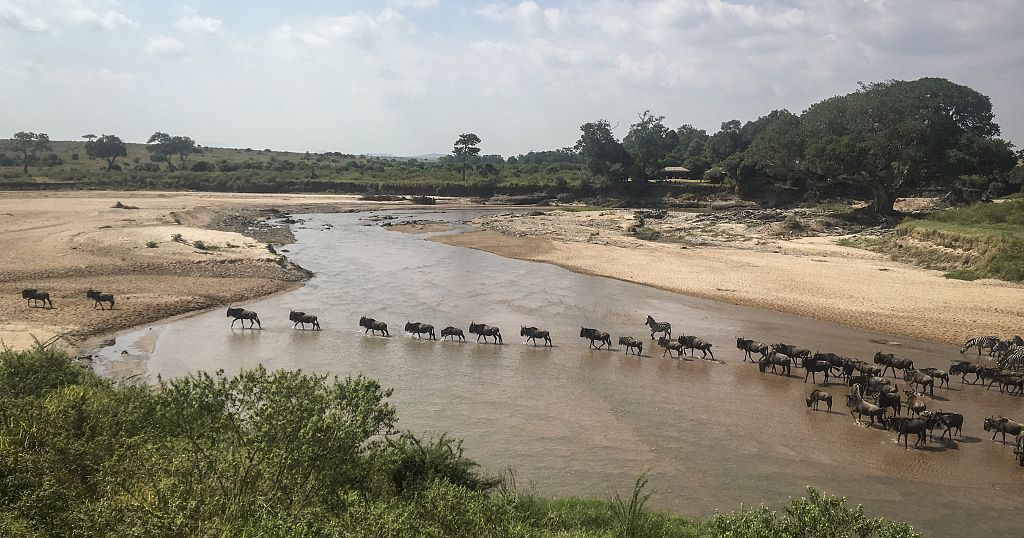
465, 147
28, 145
163, 146
890, 136
648, 142
601, 152
107, 147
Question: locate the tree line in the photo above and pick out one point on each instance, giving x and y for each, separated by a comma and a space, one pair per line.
882, 140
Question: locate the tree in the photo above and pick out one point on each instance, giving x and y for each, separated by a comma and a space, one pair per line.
727, 141
648, 142
28, 145
163, 146
601, 152
890, 136
465, 147
107, 147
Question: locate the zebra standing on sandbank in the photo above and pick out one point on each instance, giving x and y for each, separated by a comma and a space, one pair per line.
659, 327
981, 342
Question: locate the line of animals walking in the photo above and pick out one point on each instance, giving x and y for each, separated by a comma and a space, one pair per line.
872, 394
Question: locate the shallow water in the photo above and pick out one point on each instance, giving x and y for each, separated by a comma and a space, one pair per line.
574, 421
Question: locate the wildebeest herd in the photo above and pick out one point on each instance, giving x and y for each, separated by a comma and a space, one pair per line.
878, 399
41, 299
872, 394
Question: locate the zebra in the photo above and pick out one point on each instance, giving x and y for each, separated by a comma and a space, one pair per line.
981, 342
479, 329
1013, 360
303, 318
100, 298
596, 336
33, 295
659, 327
243, 314
371, 324
533, 333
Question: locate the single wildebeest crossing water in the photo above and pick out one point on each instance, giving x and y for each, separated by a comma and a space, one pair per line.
578, 421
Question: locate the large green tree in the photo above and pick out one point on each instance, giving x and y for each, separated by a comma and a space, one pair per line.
163, 146
28, 145
889, 137
648, 142
603, 154
106, 147
466, 147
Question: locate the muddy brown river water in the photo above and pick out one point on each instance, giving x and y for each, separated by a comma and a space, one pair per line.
573, 421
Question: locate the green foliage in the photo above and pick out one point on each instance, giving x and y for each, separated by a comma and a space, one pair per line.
603, 154
163, 146
465, 147
151, 244
648, 142
106, 147
817, 514
281, 453
28, 145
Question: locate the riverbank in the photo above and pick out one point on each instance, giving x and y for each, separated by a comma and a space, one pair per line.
794, 267
159, 254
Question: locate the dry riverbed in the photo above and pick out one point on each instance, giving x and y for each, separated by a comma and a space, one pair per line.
784, 261
160, 254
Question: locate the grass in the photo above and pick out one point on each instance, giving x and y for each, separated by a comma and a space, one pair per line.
980, 241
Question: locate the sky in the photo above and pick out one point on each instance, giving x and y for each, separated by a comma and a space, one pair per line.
406, 77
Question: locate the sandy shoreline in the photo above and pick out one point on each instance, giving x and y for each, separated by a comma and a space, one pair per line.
67, 242
806, 276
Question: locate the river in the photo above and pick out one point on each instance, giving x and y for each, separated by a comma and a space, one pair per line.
574, 421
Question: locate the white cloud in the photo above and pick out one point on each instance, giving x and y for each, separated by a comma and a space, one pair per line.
416, 3
329, 29
43, 15
164, 46
527, 13
191, 21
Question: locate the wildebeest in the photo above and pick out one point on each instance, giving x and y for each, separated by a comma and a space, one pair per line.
371, 324
915, 402
988, 375
812, 367
420, 329
659, 327
837, 362
595, 335
1018, 449
982, 343
774, 360
453, 332
885, 400
631, 343
891, 361
243, 314
963, 368
479, 329
905, 426
670, 346
751, 346
950, 421
33, 296
863, 407
935, 373
533, 333
694, 343
100, 298
1010, 382
798, 354
302, 318
919, 380
1003, 425
819, 396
